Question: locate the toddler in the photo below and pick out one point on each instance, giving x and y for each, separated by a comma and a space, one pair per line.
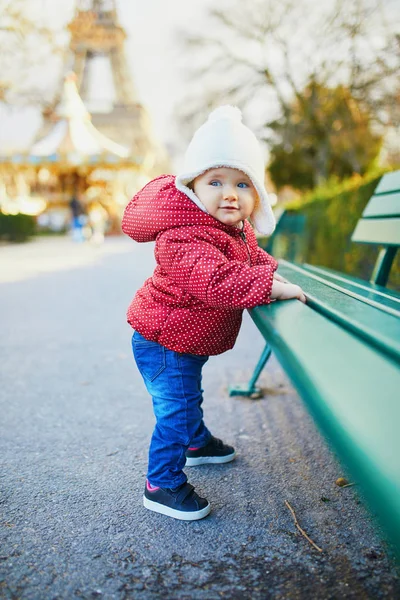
209, 269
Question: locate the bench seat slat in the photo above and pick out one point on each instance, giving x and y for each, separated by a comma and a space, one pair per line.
384, 302
390, 182
359, 414
385, 205
377, 231
356, 294
385, 296
379, 328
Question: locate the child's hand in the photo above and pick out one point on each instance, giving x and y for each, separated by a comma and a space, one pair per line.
280, 278
285, 291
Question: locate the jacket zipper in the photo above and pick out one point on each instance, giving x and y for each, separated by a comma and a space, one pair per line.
243, 236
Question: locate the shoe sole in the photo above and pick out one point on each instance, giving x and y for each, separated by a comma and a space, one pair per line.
176, 514
209, 460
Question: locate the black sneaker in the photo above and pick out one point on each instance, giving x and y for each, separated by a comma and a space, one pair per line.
180, 503
215, 452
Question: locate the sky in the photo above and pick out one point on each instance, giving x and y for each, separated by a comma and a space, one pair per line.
153, 48
152, 51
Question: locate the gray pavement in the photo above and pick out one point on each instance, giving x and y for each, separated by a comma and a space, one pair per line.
75, 426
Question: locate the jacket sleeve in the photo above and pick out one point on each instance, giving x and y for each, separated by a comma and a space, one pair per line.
202, 270
263, 258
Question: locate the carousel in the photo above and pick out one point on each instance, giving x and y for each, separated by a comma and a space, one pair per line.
73, 165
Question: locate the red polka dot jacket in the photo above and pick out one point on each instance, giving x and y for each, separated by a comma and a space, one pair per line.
206, 272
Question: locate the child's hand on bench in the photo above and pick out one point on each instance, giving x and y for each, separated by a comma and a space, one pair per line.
283, 290
280, 278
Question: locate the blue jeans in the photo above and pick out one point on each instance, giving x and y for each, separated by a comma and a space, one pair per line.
173, 379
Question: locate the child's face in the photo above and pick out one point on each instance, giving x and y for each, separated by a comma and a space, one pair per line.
228, 194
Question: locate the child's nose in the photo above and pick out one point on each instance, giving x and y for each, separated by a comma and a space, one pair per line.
230, 193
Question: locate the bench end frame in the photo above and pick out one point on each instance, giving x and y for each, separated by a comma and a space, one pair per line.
250, 390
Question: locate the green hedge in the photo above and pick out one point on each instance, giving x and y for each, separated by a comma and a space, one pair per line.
317, 230
16, 228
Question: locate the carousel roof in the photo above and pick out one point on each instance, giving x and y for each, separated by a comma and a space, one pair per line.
73, 138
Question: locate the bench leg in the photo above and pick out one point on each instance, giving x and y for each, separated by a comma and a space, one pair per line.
250, 389
383, 265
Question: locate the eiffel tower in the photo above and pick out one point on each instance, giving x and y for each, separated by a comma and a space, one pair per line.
103, 78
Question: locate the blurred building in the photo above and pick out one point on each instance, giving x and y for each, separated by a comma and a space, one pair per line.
96, 140
104, 81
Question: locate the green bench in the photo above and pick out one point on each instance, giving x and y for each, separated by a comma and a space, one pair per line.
342, 353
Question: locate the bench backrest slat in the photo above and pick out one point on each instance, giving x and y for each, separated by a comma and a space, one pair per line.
380, 221
385, 205
388, 183
377, 231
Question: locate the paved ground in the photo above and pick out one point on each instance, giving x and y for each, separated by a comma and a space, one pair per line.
75, 425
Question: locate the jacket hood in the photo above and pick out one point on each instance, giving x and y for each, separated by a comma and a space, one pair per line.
159, 206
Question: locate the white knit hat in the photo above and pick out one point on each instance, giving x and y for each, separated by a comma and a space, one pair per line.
224, 141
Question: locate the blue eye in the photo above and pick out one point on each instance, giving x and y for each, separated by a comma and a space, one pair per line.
243, 184
215, 183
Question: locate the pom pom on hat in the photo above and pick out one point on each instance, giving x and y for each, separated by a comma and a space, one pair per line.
225, 112
224, 141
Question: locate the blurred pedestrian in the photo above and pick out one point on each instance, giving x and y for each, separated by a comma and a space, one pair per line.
98, 220
77, 219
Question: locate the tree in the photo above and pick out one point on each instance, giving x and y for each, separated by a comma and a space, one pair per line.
274, 59
27, 43
326, 133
